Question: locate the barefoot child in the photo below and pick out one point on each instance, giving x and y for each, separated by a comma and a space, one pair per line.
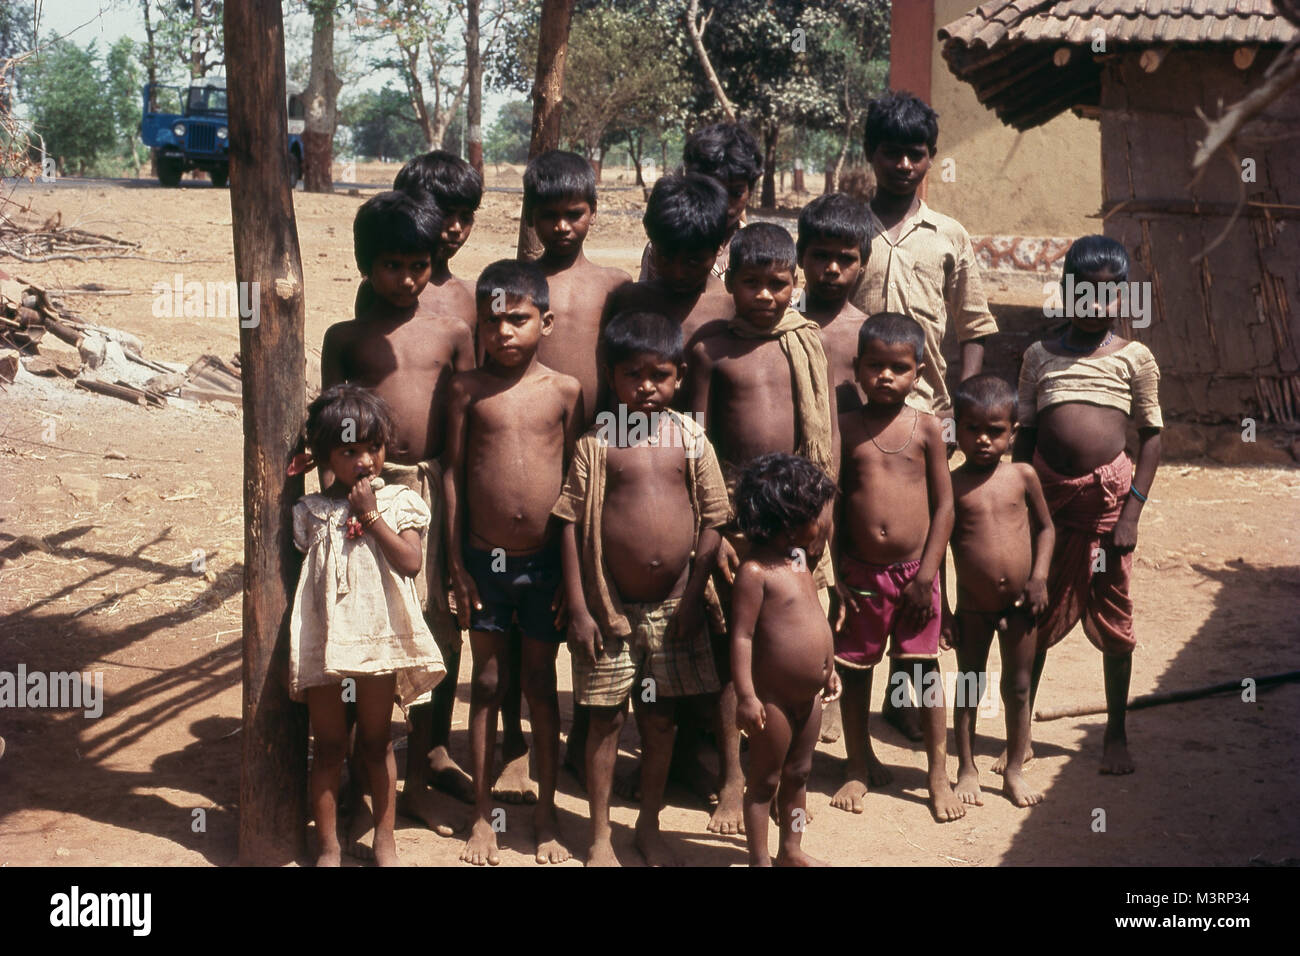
457, 189
560, 204
728, 153
356, 632
1001, 565
760, 382
407, 358
922, 264
833, 245
833, 242
686, 220
894, 523
1079, 389
781, 648
511, 428
642, 506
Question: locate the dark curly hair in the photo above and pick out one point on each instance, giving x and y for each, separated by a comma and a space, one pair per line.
778, 493
369, 415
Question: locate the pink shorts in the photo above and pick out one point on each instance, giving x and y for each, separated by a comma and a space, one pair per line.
879, 590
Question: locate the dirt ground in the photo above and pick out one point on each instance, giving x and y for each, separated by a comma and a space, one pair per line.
97, 573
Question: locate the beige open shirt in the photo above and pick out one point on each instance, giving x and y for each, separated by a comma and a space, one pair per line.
929, 274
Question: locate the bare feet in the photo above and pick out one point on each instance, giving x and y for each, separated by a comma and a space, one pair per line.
729, 817
516, 784
481, 847
1000, 765
695, 777
385, 849
968, 787
858, 781
797, 858
627, 785
653, 847
602, 854
1115, 756
831, 729
330, 857
549, 847
449, 777
906, 720
1018, 791
360, 823
943, 802
422, 804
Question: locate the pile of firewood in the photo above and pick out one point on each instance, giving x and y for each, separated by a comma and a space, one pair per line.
47, 339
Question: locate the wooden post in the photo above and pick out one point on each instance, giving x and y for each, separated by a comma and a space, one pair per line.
273, 770
474, 104
548, 93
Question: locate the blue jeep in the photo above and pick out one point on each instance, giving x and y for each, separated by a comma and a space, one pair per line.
193, 132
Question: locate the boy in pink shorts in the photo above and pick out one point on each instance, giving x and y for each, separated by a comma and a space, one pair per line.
895, 517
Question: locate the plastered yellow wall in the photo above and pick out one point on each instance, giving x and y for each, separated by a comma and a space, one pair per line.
1043, 182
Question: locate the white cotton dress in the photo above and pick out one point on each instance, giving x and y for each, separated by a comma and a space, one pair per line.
354, 615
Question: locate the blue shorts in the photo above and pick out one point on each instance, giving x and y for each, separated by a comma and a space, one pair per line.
521, 587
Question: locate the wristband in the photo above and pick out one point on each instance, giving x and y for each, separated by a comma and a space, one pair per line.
369, 518
1137, 494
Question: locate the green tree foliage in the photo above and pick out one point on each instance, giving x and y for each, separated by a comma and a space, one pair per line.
64, 90
508, 137
125, 75
381, 126
193, 32
625, 77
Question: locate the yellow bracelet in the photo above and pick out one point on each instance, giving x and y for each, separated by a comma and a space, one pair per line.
369, 518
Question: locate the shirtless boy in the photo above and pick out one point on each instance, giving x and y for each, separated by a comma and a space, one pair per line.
833, 242
510, 432
407, 358
686, 220
1079, 389
457, 188
781, 648
833, 245
560, 203
1001, 565
642, 507
728, 153
894, 522
760, 381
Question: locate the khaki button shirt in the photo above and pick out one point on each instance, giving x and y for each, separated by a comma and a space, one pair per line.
929, 274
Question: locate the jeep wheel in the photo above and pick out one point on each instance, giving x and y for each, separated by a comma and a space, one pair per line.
170, 170
220, 176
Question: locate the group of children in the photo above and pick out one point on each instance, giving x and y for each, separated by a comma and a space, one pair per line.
727, 493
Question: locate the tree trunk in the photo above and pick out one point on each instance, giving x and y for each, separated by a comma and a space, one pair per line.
634, 150
151, 53
322, 96
548, 94
273, 768
695, 25
770, 132
844, 152
474, 74
415, 93
196, 51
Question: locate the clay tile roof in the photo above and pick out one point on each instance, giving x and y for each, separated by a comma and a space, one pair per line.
1004, 48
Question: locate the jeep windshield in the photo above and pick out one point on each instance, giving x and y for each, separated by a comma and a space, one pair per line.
205, 99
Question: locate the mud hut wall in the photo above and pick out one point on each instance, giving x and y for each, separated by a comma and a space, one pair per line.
1225, 329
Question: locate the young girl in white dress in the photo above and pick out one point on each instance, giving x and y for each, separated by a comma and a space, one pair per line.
357, 634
